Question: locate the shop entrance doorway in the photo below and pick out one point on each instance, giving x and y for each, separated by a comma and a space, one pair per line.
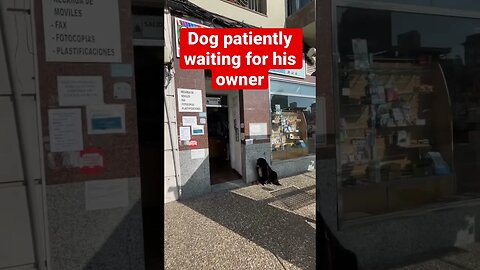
219, 141
148, 71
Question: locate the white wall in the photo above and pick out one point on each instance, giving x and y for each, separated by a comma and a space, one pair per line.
275, 12
22, 232
170, 129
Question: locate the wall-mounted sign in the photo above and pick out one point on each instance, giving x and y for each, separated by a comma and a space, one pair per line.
198, 130
179, 24
65, 130
91, 161
192, 143
106, 194
258, 129
121, 70
122, 90
106, 119
189, 120
82, 31
199, 153
147, 27
189, 100
297, 73
214, 101
185, 134
80, 90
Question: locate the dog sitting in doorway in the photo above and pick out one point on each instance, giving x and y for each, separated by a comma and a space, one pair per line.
265, 174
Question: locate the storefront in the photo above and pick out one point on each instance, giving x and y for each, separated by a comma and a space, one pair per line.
211, 124
402, 104
293, 113
221, 137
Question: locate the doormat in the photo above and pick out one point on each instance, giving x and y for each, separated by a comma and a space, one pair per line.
293, 198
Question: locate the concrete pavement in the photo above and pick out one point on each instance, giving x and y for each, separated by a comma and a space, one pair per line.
254, 227
265, 227
460, 258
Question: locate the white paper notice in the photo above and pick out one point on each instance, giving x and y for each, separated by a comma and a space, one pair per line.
198, 153
258, 129
189, 120
190, 100
92, 160
82, 31
71, 159
105, 194
122, 90
79, 90
106, 119
185, 134
65, 128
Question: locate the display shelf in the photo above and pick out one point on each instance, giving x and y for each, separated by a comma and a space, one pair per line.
289, 144
390, 71
356, 128
415, 146
423, 84
387, 129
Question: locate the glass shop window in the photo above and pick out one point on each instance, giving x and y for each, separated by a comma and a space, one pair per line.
293, 120
467, 5
409, 110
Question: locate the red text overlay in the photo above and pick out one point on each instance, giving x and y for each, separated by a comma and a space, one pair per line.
240, 58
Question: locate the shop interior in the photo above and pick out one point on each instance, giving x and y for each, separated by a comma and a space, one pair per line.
293, 126
219, 140
409, 108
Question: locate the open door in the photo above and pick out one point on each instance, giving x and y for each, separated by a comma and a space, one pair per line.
235, 140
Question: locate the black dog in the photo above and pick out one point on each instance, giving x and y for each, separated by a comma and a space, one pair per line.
265, 174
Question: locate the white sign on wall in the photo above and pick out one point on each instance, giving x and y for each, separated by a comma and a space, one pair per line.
106, 194
82, 31
79, 90
258, 129
189, 100
65, 128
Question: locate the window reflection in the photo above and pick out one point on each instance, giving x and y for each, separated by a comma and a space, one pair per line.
409, 109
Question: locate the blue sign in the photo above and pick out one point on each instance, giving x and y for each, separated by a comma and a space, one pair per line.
106, 123
297, 73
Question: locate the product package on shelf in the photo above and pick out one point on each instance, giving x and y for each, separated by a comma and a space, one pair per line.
361, 150
440, 166
377, 94
361, 56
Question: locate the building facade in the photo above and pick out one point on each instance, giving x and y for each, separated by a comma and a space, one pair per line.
221, 140
70, 184
394, 141
396, 178
80, 94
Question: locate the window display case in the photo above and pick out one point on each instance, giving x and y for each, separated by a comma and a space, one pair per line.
289, 134
395, 137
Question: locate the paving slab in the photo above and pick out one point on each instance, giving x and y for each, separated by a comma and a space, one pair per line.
461, 258
254, 227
